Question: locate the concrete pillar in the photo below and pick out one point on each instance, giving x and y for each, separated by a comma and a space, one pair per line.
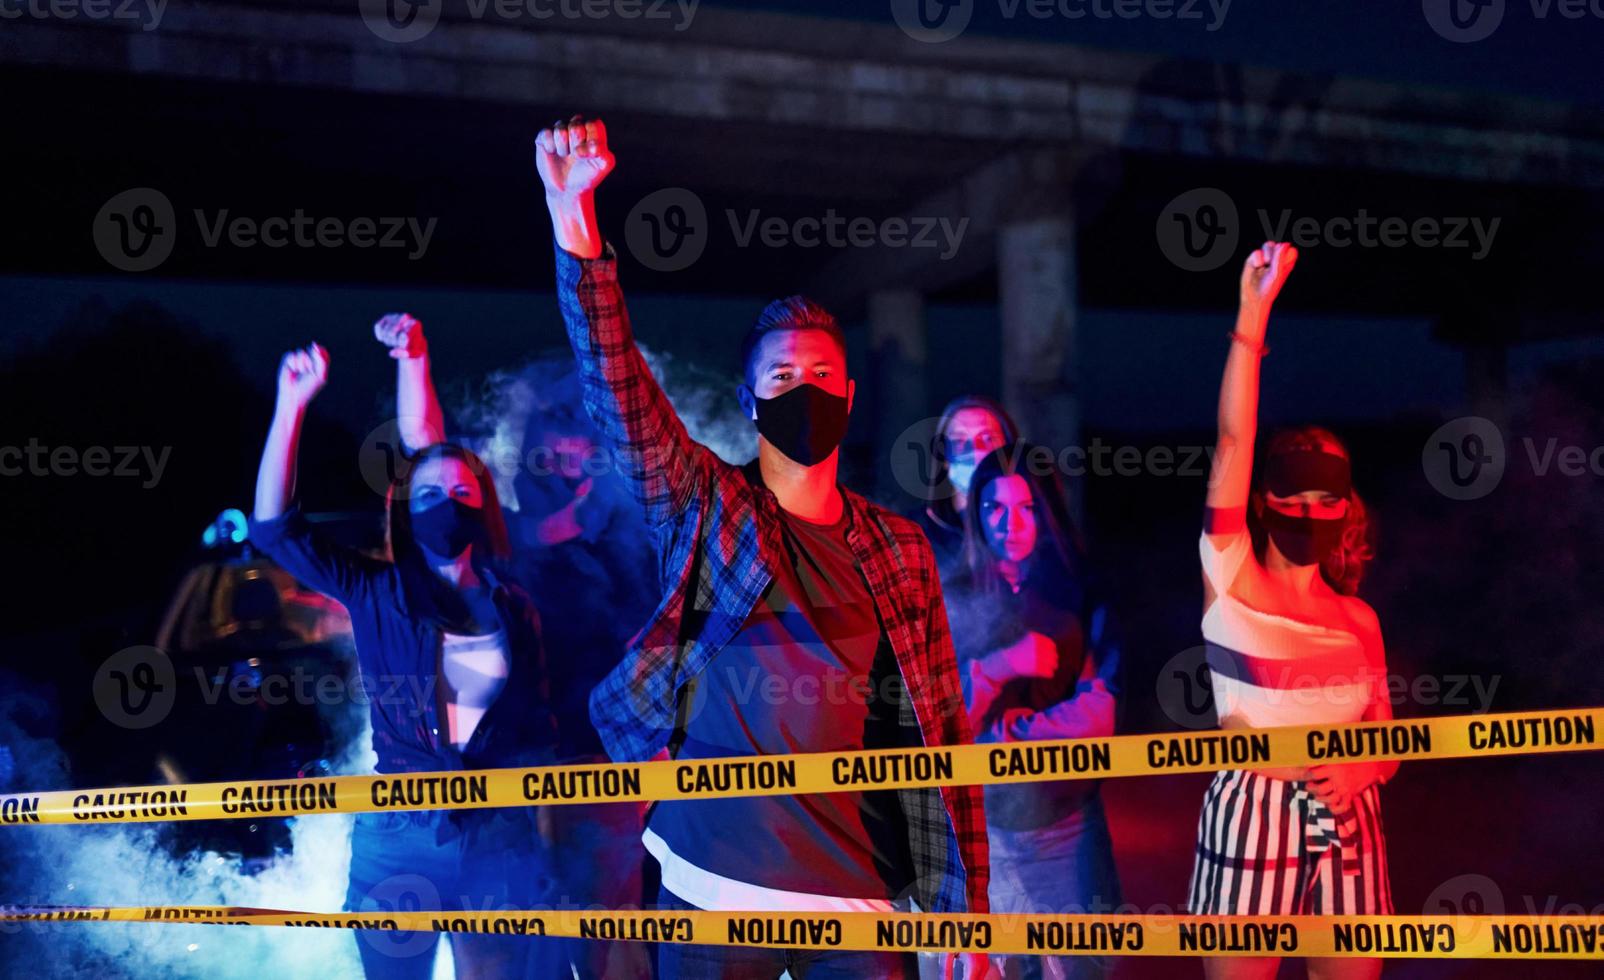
897, 354
1036, 282
1487, 381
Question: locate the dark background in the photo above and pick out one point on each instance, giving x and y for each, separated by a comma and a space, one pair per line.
1370, 341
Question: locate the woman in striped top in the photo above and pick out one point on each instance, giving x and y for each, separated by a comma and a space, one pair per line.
1288, 643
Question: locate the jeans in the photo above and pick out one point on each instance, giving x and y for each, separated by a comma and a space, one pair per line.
683, 962
600, 860
478, 860
1064, 867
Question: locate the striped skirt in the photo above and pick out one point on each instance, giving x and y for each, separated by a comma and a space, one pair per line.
1268, 847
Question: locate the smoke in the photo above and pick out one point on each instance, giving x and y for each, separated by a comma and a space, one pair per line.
137, 864
705, 401
145, 864
511, 410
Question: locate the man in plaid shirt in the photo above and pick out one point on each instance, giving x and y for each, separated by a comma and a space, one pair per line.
774, 570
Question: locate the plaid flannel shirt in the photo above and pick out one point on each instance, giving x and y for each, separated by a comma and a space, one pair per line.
718, 537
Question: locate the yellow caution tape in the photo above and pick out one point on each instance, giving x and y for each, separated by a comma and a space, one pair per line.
1390, 936
1458, 736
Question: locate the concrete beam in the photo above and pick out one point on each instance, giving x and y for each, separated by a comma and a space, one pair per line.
1019, 184
787, 70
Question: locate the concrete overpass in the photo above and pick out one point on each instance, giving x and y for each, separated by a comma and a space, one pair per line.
1058, 159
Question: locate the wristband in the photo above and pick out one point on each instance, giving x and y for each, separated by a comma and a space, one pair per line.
1259, 349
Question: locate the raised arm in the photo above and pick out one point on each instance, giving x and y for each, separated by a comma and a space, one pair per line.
573, 158
277, 527
417, 408
657, 457
1263, 274
301, 375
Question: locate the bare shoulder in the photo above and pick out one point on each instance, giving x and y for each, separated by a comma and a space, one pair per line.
1365, 623
1361, 612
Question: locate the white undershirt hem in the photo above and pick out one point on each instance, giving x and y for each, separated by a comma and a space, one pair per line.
715, 893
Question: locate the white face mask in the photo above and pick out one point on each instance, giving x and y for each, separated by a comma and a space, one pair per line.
961, 474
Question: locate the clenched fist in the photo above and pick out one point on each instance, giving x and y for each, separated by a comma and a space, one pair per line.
1264, 273
573, 157
301, 375
403, 334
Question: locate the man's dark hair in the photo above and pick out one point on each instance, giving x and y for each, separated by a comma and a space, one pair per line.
790, 313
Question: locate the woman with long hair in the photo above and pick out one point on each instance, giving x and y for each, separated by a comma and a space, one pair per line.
1284, 547
969, 428
449, 659
1040, 660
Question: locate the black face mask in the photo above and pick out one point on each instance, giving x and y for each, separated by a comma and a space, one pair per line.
1303, 540
445, 529
806, 423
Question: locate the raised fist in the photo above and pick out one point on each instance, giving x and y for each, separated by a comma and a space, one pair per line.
402, 333
1265, 272
301, 375
573, 157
